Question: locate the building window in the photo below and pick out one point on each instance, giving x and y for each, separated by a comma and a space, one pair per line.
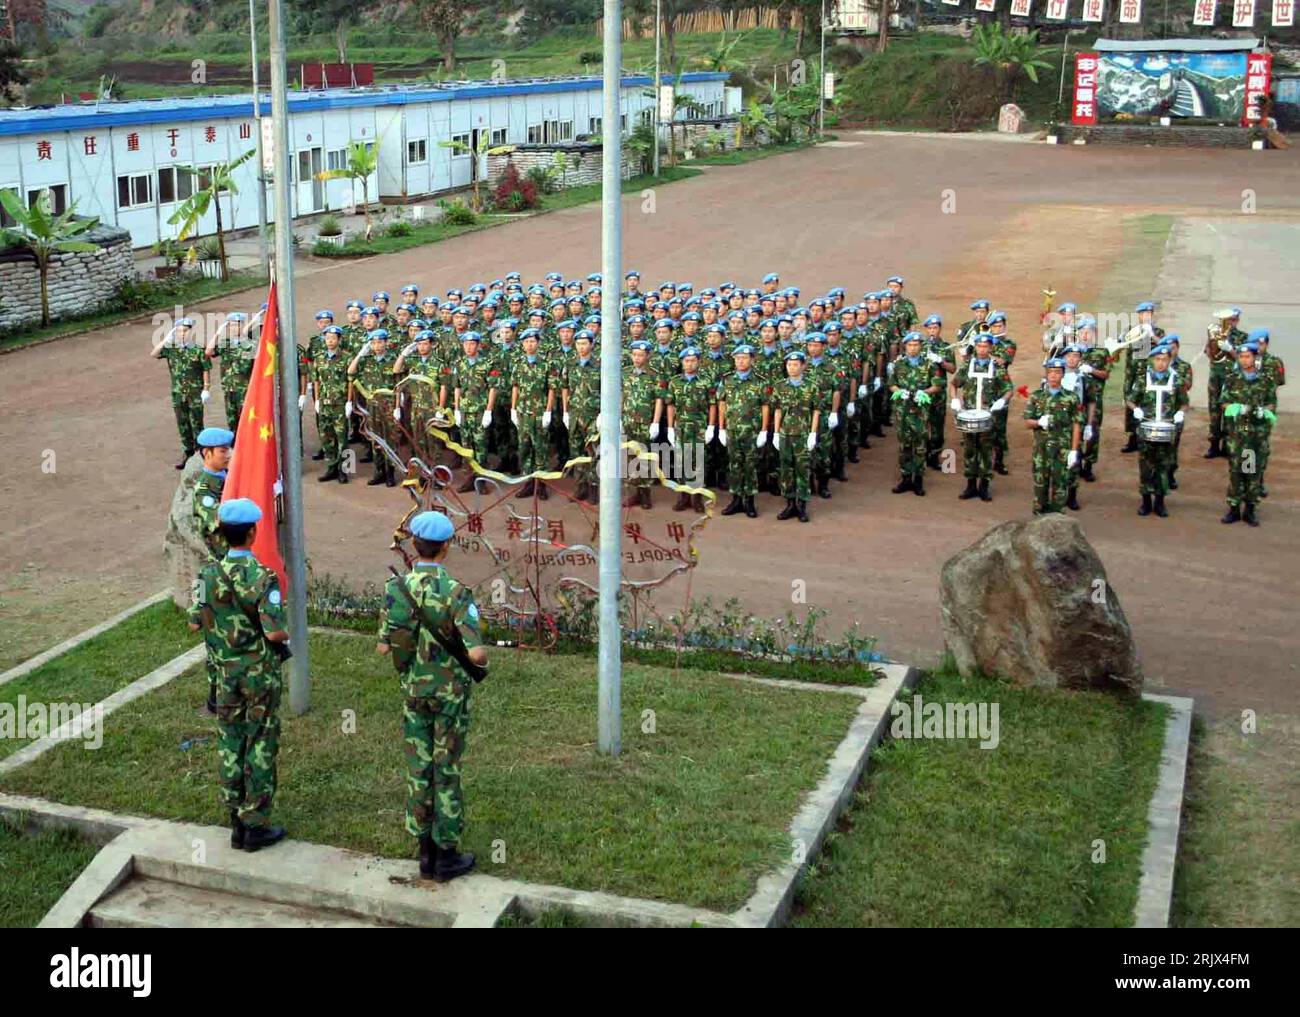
134, 191
6, 219
559, 130
593, 126
648, 115
336, 159
174, 185
535, 134
499, 136
58, 197
417, 152
622, 123
459, 140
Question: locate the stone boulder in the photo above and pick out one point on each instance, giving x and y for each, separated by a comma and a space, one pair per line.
183, 548
1030, 601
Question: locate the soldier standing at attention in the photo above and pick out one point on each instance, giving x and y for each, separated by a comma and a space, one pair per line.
1004, 353
532, 399
474, 395
944, 359
643, 405
914, 383
580, 399
237, 601
436, 691
1249, 413
826, 377
315, 346
188, 364
1157, 458
373, 369
691, 409
742, 428
1184, 372
964, 385
214, 447
1056, 418
795, 413
329, 374
904, 309
1272, 367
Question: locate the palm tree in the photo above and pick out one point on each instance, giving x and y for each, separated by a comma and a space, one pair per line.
212, 183
43, 233
1009, 55
484, 147
363, 161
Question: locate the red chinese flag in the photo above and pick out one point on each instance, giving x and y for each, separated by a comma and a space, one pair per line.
255, 464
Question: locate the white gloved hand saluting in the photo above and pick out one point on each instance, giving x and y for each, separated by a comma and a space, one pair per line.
1045, 421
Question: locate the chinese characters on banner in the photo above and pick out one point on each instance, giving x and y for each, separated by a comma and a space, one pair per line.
1093, 10
1058, 10
1085, 89
1283, 13
985, 5
1130, 12
1243, 13
1259, 70
1203, 13
1020, 8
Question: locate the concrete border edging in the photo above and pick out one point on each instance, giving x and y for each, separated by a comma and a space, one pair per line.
1164, 817
109, 869
45, 656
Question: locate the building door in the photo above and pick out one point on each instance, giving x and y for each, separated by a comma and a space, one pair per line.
476, 172
311, 189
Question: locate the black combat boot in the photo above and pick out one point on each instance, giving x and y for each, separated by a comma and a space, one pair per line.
1145, 508
904, 484
1173, 479
1213, 452
237, 830
697, 503
824, 485
331, 474
318, 456
1132, 445
1160, 506
258, 837
970, 491
789, 512
343, 475
428, 855
369, 457
1249, 515
211, 704
390, 473
581, 491
527, 490
803, 511
542, 493
852, 455
380, 475
683, 502
1233, 515
932, 460
1072, 499
839, 474
644, 497
918, 484
1086, 473
750, 510
733, 506
999, 467
185, 458
984, 491
467, 485
878, 429
450, 863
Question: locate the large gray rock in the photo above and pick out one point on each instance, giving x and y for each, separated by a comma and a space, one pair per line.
183, 548
1031, 602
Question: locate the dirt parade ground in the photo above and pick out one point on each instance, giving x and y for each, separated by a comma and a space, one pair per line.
90, 440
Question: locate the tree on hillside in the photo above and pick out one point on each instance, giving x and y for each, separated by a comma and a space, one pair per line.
12, 74
444, 18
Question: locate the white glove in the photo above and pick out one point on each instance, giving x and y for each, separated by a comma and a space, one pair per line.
1085, 369
514, 416
1178, 417
1139, 414
302, 401
875, 384
564, 419
776, 441
1260, 411
1045, 421
457, 417
862, 390
889, 368
205, 395
347, 408
672, 436
812, 441
1087, 432
956, 405
933, 357
654, 430
998, 405
852, 409
487, 418
722, 436
761, 440
833, 421
907, 396
546, 418
1072, 460
709, 432
1225, 345
596, 425
316, 406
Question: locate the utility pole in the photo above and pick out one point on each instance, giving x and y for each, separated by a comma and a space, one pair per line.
609, 671
658, 80
295, 561
821, 85
261, 171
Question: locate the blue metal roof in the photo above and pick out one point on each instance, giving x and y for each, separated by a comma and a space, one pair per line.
44, 119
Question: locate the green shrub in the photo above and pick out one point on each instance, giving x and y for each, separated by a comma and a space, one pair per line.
401, 228
455, 213
330, 227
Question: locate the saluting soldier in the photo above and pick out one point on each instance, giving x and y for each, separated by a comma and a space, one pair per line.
965, 386
1056, 419
236, 355
1249, 413
1157, 458
742, 428
914, 383
796, 410
187, 363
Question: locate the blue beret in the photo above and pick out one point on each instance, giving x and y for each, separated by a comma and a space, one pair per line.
567, 323
934, 319
715, 328
815, 337
690, 351
470, 337
506, 323
986, 337
1250, 346
513, 275
331, 330
215, 437
1174, 338
1146, 305
355, 303
593, 290
979, 304
239, 511
1259, 335
767, 323
478, 288
631, 274
894, 279
429, 298
743, 348
832, 326
1161, 349
633, 319
995, 317
379, 333
686, 286
639, 344
771, 277
325, 314
236, 316
913, 336
691, 316
591, 319
1087, 321
454, 292
835, 291
1055, 362
665, 323
381, 295
371, 309
796, 355
727, 286
553, 277
423, 334
585, 333
1236, 312
187, 322
410, 288
461, 309
766, 298
432, 526
1073, 348
561, 302
786, 319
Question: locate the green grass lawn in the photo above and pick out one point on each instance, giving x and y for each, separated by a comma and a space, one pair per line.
943, 833
692, 812
99, 667
35, 871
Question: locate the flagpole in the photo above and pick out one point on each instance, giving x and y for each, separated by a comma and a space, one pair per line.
290, 421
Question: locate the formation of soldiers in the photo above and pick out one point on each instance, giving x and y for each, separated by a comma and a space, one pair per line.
749, 390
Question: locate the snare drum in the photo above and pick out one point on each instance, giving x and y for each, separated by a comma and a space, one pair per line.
1162, 431
974, 421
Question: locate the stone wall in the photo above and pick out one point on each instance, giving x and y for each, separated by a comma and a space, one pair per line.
697, 136
583, 162
78, 283
1174, 136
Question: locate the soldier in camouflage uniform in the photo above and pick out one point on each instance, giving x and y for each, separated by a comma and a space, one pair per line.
329, 376
503, 436
904, 309
963, 386
420, 369
742, 428
968, 330
1157, 458
236, 356
769, 366
1271, 366
1056, 418
1135, 365
474, 399
828, 378
580, 398
938, 353
844, 436
714, 366
187, 363
1249, 413
1220, 351
436, 694
1004, 353
692, 411
1183, 371
214, 447
665, 359
914, 383
796, 411
372, 369
315, 346
237, 603
643, 405
532, 400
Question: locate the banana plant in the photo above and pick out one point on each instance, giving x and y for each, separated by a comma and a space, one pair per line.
363, 161
485, 147
45, 234
212, 183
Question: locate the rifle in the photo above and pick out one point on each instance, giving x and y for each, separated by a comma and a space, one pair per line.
453, 642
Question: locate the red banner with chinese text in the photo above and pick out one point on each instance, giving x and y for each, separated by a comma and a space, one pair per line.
1084, 107
1259, 73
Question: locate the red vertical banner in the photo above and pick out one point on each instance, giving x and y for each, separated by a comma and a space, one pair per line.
1259, 74
1085, 89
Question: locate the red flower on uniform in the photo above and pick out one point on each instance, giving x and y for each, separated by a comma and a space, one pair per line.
493, 373
1023, 391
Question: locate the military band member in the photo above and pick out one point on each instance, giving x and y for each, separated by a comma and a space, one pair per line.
940, 354
1249, 413
1159, 387
1220, 347
964, 386
1135, 363
1056, 419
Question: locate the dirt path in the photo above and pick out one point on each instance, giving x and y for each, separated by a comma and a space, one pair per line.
1210, 604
